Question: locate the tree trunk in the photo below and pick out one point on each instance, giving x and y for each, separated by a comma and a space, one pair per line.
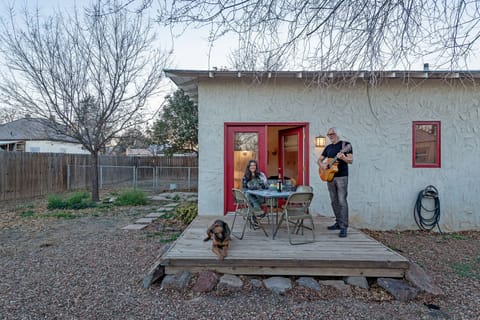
94, 168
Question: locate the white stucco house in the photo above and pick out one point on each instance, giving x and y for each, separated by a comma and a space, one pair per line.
408, 130
36, 135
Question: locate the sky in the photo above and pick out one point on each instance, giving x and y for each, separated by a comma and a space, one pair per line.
191, 50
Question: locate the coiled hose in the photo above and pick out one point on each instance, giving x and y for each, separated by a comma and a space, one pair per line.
420, 212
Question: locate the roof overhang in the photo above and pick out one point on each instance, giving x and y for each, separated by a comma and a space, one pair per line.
188, 79
5, 142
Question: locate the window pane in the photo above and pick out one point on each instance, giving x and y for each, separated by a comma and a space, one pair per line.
245, 149
426, 147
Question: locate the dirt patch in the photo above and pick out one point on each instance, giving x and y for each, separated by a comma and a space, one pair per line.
87, 267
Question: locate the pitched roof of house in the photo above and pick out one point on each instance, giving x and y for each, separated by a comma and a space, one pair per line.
188, 79
33, 129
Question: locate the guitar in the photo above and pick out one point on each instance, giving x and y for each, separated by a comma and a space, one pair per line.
332, 166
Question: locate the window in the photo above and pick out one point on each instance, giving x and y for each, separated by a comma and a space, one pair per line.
426, 144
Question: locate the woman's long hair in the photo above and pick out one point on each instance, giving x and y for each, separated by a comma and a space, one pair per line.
248, 174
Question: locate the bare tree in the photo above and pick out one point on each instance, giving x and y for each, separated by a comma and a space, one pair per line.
339, 34
8, 114
94, 72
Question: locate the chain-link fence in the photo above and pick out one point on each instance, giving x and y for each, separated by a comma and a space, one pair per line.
152, 178
25, 175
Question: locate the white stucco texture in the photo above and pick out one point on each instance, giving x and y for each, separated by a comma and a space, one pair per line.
383, 185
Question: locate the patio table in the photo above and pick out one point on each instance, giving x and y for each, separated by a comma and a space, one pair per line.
271, 196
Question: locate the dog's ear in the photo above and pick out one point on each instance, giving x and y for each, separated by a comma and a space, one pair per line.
226, 229
211, 229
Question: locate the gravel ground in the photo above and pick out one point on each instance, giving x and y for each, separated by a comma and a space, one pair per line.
89, 268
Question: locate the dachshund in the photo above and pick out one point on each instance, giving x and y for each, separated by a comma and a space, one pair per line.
219, 232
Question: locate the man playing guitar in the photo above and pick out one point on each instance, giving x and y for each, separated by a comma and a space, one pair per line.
336, 157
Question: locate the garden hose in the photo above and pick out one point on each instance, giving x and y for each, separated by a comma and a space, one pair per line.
426, 218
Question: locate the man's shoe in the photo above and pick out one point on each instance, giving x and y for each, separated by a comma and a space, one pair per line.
334, 226
343, 233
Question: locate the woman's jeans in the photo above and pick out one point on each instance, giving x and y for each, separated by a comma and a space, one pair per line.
255, 201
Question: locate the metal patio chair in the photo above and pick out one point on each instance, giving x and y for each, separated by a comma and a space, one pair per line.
246, 213
295, 211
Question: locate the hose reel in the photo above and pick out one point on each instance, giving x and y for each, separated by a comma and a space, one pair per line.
427, 217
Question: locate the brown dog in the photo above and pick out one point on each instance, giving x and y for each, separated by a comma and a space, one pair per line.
219, 232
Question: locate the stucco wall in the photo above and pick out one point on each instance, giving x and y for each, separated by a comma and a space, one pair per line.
54, 147
383, 186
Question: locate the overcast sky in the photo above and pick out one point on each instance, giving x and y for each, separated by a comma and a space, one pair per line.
190, 51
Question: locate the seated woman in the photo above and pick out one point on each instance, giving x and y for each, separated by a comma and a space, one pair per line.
254, 180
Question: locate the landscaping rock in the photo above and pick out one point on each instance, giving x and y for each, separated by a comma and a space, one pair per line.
207, 280
417, 276
357, 281
157, 271
399, 289
337, 284
229, 283
256, 283
308, 282
278, 285
178, 281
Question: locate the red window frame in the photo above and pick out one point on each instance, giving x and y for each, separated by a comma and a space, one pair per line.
436, 163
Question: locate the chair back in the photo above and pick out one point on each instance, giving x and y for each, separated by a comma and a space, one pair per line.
304, 189
239, 198
298, 203
241, 202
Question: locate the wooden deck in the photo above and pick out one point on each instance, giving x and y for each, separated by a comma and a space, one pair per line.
329, 255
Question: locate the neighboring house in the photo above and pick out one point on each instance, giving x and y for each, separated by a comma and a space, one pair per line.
36, 135
138, 152
408, 130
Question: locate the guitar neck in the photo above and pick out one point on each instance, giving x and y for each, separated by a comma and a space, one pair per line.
334, 159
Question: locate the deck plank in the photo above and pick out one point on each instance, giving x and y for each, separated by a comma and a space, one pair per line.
329, 255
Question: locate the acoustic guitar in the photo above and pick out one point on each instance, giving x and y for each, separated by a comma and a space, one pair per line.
332, 166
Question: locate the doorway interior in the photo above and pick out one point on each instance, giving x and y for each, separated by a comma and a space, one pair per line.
279, 148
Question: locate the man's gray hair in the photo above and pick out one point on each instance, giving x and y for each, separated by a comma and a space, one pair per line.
337, 131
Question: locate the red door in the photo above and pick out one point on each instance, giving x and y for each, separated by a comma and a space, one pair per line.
292, 157
242, 143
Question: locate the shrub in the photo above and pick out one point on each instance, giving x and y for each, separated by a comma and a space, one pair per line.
131, 198
79, 200
56, 202
186, 212
27, 213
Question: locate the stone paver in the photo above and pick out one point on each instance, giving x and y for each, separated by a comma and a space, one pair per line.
135, 227
144, 220
155, 215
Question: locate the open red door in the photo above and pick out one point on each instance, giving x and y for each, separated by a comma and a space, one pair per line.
292, 158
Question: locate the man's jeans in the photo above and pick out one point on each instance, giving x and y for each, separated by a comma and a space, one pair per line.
338, 189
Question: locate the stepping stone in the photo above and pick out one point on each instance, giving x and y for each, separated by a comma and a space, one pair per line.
144, 220
155, 215
171, 205
135, 227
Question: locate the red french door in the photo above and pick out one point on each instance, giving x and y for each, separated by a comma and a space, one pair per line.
292, 157
242, 143
274, 145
